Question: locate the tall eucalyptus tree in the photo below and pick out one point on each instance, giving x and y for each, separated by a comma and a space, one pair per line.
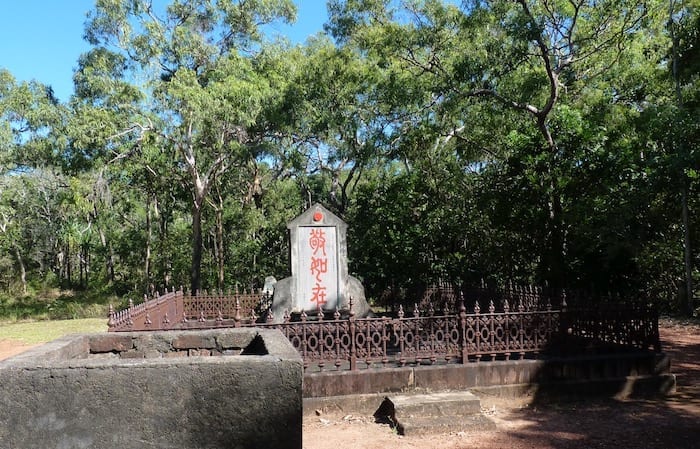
202, 92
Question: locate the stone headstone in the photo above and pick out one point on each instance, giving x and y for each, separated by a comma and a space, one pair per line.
319, 266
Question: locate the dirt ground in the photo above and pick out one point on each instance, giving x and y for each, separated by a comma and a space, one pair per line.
8, 348
671, 422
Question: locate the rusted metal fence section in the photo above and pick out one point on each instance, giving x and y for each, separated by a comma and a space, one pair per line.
152, 314
614, 324
349, 343
335, 342
178, 309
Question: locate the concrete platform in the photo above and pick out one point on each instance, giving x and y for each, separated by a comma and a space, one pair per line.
453, 403
444, 424
420, 414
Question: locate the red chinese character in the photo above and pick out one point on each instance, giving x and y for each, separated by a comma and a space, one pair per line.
317, 241
319, 295
319, 266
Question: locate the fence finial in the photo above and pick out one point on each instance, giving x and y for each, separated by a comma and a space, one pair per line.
563, 300
237, 317
110, 321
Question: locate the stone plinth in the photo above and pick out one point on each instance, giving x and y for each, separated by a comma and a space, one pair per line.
224, 388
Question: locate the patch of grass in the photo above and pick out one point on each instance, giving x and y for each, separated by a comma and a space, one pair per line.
42, 331
55, 304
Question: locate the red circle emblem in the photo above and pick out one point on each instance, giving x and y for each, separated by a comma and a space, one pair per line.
318, 216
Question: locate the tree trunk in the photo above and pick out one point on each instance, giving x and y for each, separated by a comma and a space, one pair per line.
68, 265
110, 256
149, 237
196, 269
81, 268
22, 270
84, 265
220, 243
687, 252
555, 271
680, 148
164, 254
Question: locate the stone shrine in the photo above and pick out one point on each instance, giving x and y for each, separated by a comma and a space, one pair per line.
319, 265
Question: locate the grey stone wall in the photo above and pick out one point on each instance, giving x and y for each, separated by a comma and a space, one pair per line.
618, 375
229, 388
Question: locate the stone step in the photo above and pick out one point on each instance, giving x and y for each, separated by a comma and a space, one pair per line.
434, 413
443, 424
437, 404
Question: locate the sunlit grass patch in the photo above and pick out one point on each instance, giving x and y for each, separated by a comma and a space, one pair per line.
42, 331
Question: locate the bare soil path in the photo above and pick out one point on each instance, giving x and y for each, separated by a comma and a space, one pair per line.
8, 348
671, 422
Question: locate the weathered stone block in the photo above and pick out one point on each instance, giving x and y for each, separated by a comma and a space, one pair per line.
133, 355
199, 352
111, 343
149, 342
245, 401
231, 341
193, 341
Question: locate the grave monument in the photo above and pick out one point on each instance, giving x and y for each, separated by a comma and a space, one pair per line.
319, 265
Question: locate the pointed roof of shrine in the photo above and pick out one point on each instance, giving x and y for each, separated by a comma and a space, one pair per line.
317, 215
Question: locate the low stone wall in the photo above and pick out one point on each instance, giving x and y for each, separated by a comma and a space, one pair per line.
228, 388
622, 375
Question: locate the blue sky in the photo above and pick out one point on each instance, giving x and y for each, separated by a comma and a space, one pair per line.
42, 39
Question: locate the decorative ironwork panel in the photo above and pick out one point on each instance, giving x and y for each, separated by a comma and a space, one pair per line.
370, 340
427, 339
616, 324
423, 338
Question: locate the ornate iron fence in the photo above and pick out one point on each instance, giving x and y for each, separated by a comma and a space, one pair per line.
615, 324
342, 342
420, 340
178, 309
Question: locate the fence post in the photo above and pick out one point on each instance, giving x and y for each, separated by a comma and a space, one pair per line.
402, 338
237, 318
353, 348
129, 321
463, 325
111, 322
564, 330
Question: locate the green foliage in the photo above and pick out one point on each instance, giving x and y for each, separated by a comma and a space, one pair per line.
53, 304
497, 140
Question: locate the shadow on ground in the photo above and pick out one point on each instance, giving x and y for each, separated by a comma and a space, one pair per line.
654, 423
